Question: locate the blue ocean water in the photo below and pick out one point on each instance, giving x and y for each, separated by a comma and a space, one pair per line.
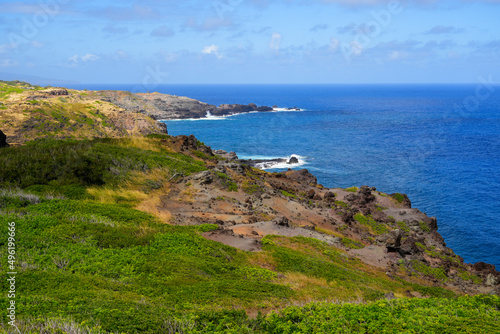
440, 144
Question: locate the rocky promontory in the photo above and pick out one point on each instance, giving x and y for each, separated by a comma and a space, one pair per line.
165, 106
31, 112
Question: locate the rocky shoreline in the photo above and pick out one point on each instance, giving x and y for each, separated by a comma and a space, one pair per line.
381, 230
169, 107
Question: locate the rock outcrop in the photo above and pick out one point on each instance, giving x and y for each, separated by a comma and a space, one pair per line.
226, 155
378, 229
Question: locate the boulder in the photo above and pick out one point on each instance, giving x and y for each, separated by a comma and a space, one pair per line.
282, 221
361, 198
293, 160
329, 196
302, 176
191, 143
488, 272
310, 193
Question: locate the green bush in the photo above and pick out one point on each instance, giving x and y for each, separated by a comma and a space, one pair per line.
398, 197
378, 228
85, 162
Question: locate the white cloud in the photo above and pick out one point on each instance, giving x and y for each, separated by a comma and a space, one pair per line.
397, 55
8, 63
121, 54
75, 60
212, 49
334, 44
275, 42
90, 57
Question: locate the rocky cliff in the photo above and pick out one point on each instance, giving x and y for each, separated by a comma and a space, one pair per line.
382, 230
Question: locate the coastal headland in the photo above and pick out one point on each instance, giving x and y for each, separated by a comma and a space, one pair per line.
133, 223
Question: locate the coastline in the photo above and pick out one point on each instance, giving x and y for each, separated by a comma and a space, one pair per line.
301, 189
209, 116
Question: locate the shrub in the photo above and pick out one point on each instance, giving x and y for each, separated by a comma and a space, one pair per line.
377, 227
398, 197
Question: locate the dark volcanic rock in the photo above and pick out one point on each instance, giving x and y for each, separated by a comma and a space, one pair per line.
228, 109
293, 160
3, 140
310, 193
329, 196
190, 142
362, 200
488, 272
302, 176
282, 221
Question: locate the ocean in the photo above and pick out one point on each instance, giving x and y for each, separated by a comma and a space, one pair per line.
439, 144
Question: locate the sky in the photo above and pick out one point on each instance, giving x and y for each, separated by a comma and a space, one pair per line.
251, 41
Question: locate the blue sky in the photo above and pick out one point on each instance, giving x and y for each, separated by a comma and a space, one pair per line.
252, 41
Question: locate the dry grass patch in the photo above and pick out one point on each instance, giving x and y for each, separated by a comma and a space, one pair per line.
140, 143
152, 205
329, 232
262, 259
120, 195
188, 194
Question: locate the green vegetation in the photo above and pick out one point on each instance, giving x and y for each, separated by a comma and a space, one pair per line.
342, 204
204, 156
287, 194
469, 277
349, 243
402, 316
377, 227
227, 181
434, 315
402, 225
352, 189
121, 267
424, 227
438, 273
251, 188
93, 266
398, 197
9, 87
85, 162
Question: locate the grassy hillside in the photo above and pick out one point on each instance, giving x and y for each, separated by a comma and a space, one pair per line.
29, 112
95, 254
